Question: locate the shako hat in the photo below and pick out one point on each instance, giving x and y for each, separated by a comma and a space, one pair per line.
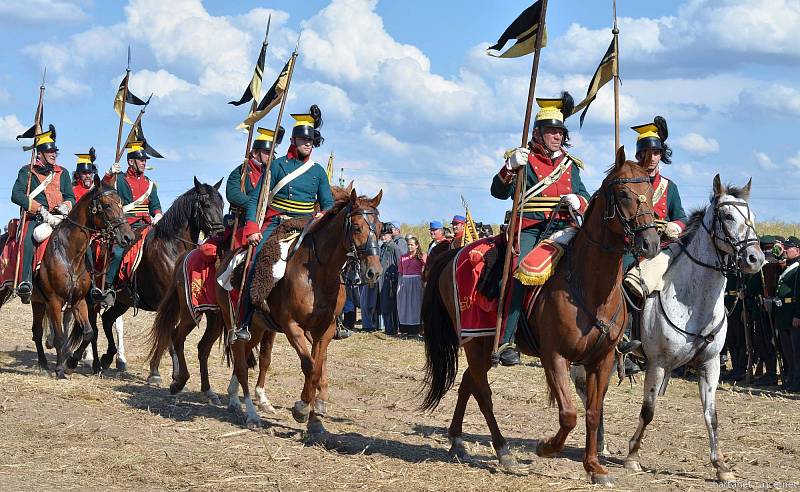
651, 135
553, 112
46, 141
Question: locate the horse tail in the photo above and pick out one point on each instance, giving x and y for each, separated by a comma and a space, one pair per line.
69, 328
441, 340
167, 317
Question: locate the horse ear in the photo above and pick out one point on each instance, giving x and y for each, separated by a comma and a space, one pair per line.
219, 183
377, 200
746, 189
620, 157
96, 182
196, 184
353, 196
349, 186
719, 189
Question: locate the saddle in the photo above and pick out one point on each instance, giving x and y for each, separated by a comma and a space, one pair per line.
649, 276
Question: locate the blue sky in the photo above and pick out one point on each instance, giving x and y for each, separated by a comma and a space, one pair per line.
410, 101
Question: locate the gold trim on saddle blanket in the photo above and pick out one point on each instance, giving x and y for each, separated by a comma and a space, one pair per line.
540, 263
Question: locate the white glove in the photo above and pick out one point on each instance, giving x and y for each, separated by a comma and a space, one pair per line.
572, 201
518, 159
672, 230
63, 209
114, 169
156, 218
49, 218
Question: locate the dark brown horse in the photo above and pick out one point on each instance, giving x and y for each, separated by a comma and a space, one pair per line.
62, 282
578, 317
302, 305
198, 210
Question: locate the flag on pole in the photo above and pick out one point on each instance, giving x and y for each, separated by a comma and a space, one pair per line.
470, 230
130, 98
523, 29
254, 89
603, 75
329, 169
138, 134
271, 99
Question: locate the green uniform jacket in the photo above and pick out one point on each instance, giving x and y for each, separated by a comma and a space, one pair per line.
20, 197
233, 191
787, 292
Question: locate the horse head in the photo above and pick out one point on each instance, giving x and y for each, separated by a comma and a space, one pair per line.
106, 215
628, 194
733, 225
363, 224
207, 208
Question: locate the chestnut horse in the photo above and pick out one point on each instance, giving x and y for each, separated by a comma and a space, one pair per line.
302, 305
578, 317
62, 282
198, 210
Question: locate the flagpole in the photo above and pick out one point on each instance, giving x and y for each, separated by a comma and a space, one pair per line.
37, 124
253, 106
264, 196
124, 100
121, 151
615, 31
511, 232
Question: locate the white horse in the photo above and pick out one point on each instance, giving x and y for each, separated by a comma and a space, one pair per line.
685, 322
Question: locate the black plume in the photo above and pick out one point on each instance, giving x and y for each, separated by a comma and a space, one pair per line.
316, 113
661, 124
92, 154
567, 104
52, 131
281, 132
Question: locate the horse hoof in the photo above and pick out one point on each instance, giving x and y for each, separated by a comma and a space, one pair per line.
154, 379
60, 374
122, 365
266, 407
543, 451
176, 387
96, 369
105, 361
633, 465
508, 461
253, 424
457, 451
725, 476
300, 411
320, 407
72, 363
602, 479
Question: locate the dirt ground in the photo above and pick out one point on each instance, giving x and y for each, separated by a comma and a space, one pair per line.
119, 433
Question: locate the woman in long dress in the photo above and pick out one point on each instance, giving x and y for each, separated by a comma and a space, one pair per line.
409, 288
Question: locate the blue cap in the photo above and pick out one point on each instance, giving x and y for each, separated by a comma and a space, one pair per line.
459, 219
435, 224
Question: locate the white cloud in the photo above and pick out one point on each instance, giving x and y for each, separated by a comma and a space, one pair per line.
160, 83
697, 144
384, 140
774, 99
10, 127
765, 161
40, 12
795, 160
66, 88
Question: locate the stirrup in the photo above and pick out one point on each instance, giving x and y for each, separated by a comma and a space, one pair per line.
109, 297
24, 291
242, 334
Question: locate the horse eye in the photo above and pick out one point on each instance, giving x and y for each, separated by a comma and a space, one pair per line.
728, 217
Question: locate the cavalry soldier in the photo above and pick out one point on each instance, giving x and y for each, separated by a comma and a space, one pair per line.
264, 143
83, 177
786, 312
458, 223
139, 201
762, 322
50, 191
297, 183
552, 177
651, 151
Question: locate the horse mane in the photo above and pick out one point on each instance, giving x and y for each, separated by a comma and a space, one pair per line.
177, 216
736, 192
693, 224
332, 212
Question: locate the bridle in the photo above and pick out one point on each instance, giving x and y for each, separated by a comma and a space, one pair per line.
355, 252
96, 208
199, 216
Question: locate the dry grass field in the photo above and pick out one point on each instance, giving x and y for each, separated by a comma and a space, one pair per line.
118, 433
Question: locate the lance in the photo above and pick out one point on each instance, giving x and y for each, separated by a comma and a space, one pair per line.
512, 233
615, 72
124, 100
244, 171
265, 195
37, 122
329, 168
129, 138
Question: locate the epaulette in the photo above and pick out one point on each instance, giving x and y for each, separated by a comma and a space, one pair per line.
577, 161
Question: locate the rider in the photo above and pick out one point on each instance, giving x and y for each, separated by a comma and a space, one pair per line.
50, 191
545, 159
264, 143
297, 183
651, 151
85, 171
139, 202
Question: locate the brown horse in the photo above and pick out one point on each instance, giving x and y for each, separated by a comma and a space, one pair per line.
198, 210
578, 317
62, 282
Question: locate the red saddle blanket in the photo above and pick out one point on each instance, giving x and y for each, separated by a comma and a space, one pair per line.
8, 257
476, 314
199, 275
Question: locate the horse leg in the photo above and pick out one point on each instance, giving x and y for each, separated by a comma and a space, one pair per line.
707, 382
38, 310
60, 341
596, 386
556, 369
179, 335
297, 339
213, 330
96, 368
578, 376
319, 354
264, 361
653, 380
239, 353
457, 449
119, 329
108, 318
